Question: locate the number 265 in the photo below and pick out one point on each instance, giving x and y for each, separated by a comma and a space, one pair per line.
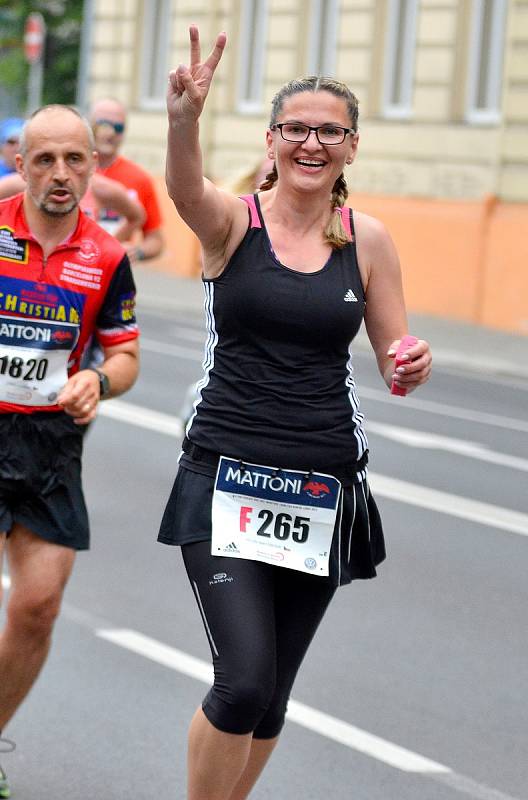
284, 525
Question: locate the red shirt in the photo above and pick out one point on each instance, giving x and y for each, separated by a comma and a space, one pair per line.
50, 308
141, 187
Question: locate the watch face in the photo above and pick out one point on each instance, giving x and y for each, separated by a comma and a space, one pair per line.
104, 384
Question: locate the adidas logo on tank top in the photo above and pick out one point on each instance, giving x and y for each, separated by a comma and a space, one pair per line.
350, 297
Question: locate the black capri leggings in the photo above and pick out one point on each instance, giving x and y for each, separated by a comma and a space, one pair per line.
260, 620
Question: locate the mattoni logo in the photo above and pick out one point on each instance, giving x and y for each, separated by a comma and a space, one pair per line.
316, 489
62, 336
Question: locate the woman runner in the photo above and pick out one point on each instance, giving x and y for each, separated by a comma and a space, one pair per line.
271, 504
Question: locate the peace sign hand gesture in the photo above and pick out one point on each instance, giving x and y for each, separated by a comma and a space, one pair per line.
189, 86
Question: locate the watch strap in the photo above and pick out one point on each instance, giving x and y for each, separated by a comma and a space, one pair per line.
104, 383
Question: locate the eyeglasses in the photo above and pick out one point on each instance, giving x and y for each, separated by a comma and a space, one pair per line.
118, 127
298, 132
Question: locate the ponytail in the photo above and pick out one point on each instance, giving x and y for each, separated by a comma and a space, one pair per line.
269, 180
335, 233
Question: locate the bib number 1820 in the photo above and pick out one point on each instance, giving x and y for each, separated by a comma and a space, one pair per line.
16, 367
281, 525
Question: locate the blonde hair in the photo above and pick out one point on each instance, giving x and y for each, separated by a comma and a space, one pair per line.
245, 184
334, 233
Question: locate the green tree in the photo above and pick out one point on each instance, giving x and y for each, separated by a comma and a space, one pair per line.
63, 20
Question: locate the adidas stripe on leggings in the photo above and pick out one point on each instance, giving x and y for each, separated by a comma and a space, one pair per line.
260, 620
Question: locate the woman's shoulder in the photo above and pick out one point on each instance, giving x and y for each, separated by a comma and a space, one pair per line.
367, 225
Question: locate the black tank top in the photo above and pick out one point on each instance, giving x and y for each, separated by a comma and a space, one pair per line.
278, 387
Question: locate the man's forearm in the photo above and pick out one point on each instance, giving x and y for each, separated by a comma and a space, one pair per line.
122, 370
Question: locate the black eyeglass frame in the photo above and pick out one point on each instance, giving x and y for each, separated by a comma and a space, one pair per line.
279, 126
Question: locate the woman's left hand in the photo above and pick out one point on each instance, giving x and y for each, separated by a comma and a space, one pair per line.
416, 368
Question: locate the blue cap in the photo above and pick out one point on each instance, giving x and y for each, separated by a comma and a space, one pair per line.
10, 127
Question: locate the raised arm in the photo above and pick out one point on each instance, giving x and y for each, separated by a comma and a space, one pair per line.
385, 314
218, 218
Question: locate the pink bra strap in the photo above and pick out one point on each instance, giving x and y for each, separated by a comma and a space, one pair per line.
345, 219
255, 219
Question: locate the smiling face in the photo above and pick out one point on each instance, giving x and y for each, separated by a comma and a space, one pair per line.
309, 165
57, 161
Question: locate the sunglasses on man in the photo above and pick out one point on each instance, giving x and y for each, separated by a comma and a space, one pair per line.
118, 127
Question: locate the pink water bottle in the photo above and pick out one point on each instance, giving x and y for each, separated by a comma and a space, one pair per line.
406, 342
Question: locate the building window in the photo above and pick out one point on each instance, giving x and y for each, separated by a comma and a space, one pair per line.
155, 53
322, 42
399, 65
253, 31
485, 61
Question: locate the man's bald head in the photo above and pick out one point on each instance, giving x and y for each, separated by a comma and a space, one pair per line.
51, 116
108, 108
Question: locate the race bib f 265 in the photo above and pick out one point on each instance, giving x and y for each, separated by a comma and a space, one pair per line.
279, 516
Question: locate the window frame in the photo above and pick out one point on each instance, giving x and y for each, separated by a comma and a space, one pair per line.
322, 37
492, 112
406, 45
252, 56
155, 42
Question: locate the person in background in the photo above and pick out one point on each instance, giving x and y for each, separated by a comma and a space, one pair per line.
108, 119
251, 181
62, 280
277, 435
9, 138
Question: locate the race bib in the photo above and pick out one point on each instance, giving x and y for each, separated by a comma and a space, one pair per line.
283, 517
34, 359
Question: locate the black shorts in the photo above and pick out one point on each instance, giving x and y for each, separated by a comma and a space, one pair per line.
358, 544
40, 477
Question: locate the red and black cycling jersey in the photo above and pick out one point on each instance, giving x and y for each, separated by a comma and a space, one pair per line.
51, 307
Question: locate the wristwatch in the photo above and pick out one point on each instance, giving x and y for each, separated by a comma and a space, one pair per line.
104, 383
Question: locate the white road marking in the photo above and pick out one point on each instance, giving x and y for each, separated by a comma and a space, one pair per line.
317, 721
192, 334
164, 348
142, 417
414, 438
312, 719
385, 486
362, 741
447, 503
445, 410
